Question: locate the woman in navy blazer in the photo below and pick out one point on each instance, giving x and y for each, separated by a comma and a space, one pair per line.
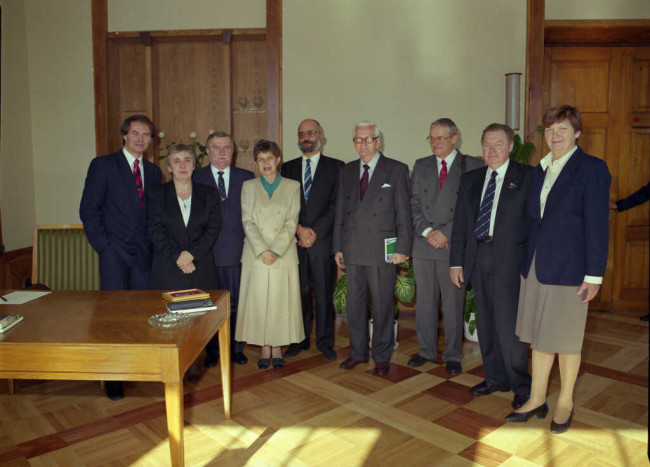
566, 258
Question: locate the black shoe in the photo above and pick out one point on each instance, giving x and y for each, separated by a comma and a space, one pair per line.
278, 363
645, 318
211, 360
239, 358
454, 368
263, 363
417, 360
484, 388
295, 349
329, 354
558, 428
114, 390
519, 401
540, 411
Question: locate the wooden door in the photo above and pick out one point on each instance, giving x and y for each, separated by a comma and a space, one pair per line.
600, 82
190, 82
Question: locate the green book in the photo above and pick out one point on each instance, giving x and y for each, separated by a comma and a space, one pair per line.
389, 247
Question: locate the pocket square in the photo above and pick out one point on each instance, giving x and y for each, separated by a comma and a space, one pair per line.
385, 185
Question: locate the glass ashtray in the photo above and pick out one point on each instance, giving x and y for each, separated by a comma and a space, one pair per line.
169, 320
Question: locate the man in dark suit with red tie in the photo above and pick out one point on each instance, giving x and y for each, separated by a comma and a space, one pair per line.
227, 250
372, 206
113, 214
318, 176
488, 241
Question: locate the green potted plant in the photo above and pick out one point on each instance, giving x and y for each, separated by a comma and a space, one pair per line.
469, 314
404, 292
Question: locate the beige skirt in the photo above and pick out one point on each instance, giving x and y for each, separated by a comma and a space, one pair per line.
551, 318
269, 311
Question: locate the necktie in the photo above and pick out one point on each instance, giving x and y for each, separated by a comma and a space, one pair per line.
442, 176
138, 182
221, 186
307, 179
482, 228
363, 184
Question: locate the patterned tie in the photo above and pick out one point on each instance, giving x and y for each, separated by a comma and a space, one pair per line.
221, 186
482, 227
363, 184
138, 182
443, 174
307, 179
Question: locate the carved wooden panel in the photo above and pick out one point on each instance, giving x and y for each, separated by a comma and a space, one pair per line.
248, 98
191, 89
126, 86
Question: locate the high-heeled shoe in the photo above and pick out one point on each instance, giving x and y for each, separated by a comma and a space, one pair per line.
263, 363
540, 411
278, 363
558, 428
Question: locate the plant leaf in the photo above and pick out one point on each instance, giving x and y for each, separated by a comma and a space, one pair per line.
340, 295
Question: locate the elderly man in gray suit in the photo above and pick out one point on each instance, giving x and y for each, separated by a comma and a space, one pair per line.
372, 205
434, 187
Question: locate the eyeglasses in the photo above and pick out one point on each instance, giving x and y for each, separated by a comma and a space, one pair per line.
367, 139
438, 139
302, 134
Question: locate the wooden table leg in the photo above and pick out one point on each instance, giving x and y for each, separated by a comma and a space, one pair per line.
224, 351
174, 405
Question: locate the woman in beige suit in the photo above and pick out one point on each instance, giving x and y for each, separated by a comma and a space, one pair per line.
269, 312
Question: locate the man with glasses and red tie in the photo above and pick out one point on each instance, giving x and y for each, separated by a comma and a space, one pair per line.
113, 214
372, 209
487, 247
434, 187
318, 175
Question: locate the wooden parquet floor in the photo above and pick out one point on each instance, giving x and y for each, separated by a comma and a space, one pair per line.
311, 413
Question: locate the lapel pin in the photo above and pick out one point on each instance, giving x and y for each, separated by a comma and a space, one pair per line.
512, 186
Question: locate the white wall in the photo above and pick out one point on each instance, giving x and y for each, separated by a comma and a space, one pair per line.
16, 161
152, 15
597, 9
61, 104
401, 64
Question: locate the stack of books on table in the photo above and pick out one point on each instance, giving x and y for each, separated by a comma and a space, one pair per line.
183, 295
191, 306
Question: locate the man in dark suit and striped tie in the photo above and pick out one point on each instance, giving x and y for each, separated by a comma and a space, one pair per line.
113, 212
487, 247
318, 175
227, 250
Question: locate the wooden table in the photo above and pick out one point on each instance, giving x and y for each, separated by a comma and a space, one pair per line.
105, 336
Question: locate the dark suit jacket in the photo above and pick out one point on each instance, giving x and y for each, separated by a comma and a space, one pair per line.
571, 240
510, 224
433, 207
110, 208
228, 247
318, 213
360, 227
170, 236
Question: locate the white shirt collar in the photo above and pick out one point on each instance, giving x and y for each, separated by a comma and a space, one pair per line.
559, 163
215, 171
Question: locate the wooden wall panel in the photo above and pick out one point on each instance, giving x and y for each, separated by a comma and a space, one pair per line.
127, 84
249, 102
191, 89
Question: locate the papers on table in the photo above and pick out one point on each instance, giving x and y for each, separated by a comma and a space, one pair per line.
20, 297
